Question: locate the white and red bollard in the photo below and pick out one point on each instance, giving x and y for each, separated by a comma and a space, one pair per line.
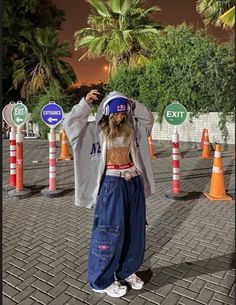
52, 191
19, 191
52, 162
12, 178
176, 193
12, 162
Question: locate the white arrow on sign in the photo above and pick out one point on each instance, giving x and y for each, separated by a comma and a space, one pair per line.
19, 120
52, 120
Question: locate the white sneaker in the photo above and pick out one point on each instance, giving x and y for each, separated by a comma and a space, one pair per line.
134, 281
115, 290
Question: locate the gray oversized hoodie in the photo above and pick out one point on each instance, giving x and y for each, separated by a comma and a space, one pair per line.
89, 148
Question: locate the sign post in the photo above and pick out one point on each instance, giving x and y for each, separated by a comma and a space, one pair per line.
6, 114
19, 116
175, 114
52, 115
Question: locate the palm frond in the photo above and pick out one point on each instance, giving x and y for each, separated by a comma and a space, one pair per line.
97, 45
100, 7
35, 84
127, 37
117, 44
19, 63
23, 91
18, 77
84, 41
228, 18
147, 30
86, 54
84, 32
213, 9
120, 6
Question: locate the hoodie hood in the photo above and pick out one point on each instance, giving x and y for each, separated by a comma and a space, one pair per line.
105, 101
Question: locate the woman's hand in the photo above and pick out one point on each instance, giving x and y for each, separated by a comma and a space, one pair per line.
92, 96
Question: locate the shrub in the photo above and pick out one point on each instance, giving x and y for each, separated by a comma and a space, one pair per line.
188, 67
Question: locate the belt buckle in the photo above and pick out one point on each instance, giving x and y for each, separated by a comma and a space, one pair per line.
128, 175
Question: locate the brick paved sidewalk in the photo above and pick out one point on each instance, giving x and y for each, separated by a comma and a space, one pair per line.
189, 250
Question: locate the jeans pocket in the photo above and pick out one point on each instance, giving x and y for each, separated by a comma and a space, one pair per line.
109, 186
104, 241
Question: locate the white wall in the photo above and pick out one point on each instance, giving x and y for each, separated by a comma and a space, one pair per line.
192, 132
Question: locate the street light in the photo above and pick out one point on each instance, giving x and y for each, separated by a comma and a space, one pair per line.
105, 67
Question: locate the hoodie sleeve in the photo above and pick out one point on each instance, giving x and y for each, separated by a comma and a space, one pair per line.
143, 115
76, 120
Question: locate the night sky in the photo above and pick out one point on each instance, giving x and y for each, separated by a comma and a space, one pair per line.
172, 12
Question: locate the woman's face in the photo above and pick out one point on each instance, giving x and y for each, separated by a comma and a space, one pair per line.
118, 117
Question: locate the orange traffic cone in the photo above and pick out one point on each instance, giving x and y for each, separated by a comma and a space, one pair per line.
203, 136
206, 151
151, 147
65, 153
217, 189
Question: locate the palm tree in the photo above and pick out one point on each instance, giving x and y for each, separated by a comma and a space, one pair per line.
41, 64
119, 30
218, 12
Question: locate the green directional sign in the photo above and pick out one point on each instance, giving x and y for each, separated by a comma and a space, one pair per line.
19, 114
175, 113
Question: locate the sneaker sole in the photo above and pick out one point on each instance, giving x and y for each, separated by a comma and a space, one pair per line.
110, 295
98, 291
133, 287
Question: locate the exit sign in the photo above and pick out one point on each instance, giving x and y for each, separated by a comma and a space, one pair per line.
175, 113
19, 114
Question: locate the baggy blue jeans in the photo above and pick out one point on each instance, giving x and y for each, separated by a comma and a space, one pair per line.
118, 238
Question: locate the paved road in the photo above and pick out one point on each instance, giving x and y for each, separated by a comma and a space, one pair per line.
189, 250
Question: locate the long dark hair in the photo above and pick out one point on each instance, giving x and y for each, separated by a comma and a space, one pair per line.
111, 130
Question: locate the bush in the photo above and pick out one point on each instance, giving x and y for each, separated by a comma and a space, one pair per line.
188, 67
192, 69
126, 81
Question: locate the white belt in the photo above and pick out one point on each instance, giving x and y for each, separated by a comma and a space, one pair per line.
127, 174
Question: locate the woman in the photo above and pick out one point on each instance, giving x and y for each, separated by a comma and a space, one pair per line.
113, 172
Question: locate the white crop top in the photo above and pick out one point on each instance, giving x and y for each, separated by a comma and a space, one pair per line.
118, 142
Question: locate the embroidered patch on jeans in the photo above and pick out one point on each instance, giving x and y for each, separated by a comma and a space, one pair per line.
103, 247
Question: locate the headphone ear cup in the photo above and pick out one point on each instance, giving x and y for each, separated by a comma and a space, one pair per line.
107, 110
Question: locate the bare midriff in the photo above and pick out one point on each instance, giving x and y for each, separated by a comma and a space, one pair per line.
118, 156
